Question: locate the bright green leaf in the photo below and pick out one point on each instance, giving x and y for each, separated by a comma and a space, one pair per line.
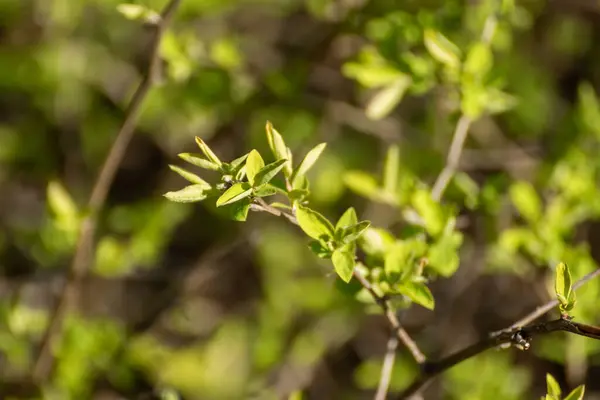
311, 158
387, 98
562, 283
577, 393
278, 147
347, 219
208, 153
313, 224
266, 190
372, 75
553, 387
362, 183
526, 201
479, 60
343, 262
419, 293
391, 168
442, 49
189, 194
430, 211
268, 172
497, 101
137, 12
376, 241
353, 232
198, 161
238, 162
235, 193
60, 202
254, 163
443, 255
193, 178
397, 260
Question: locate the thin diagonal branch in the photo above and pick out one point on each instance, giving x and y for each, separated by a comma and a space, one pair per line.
84, 249
386, 369
381, 301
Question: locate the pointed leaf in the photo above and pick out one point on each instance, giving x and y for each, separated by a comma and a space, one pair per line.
238, 162
577, 393
352, 233
237, 211
313, 224
197, 160
266, 190
235, 193
319, 250
362, 184
343, 262
387, 98
59, 201
347, 219
479, 60
442, 49
419, 293
391, 169
208, 153
189, 194
254, 163
278, 147
189, 176
562, 283
430, 211
268, 172
526, 201
553, 387
443, 254
311, 158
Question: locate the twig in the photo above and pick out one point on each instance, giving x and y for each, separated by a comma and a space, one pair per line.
520, 337
386, 369
381, 301
462, 128
84, 248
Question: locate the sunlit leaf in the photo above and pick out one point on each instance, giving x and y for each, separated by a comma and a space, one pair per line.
254, 163
348, 218
235, 193
343, 262
419, 293
577, 393
562, 283
391, 169
527, 201
268, 172
313, 224
60, 202
237, 211
197, 160
311, 158
443, 255
387, 98
353, 232
190, 177
479, 60
442, 49
208, 153
189, 194
278, 147
553, 387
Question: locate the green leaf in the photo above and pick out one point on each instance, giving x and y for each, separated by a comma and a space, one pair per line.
208, 153
347, 219
319, 250
254, 163
376, 241
237, 211
314, 224
479, 60
387, 98
526, 201
553, 387
577, 393
343, 262
362, 184
430, 211
397, 260
278, 148
372, 75
137, 12
198, 161
237, 164
266, 190
311, 158
60, 202
193, 178
268, 172
235, 193
419, 293
442, 49
189, 194
497, 101
391, 169
443, 255
562, 284
353, 232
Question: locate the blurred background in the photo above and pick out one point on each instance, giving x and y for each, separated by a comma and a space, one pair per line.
181, 301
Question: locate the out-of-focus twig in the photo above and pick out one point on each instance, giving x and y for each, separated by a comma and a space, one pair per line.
84, 249
386, 370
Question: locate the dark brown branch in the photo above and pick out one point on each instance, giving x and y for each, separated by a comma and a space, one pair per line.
381, 301
84, 249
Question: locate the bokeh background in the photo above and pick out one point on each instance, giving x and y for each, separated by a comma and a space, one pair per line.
182, 301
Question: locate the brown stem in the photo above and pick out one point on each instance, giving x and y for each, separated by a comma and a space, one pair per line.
84, 249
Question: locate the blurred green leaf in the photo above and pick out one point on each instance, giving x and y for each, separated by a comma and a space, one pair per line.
314, 224
193, 178
553, 387
254, 163
138, 12
391, 169
60, 202
189, 194
387, 98
479, 60
443, 254
362, 184
198, 161
430, 211
343, 262
419, 293
319, 250
235, 193
526, 201
442, 49
397, 260
376, 241
577, 393
497, 101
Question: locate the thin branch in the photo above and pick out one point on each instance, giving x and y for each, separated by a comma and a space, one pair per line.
386, 369
520, 337
462, 127
381, 301
84, 249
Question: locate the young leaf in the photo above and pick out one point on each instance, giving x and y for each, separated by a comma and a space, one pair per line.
443, 254
60, 202
562, 284
314, 224
419, 293
254, 163
391, 169
387, 98
353, 232
577, 393
347, 219
442, 49
278, 147
237, 163
268, 172
526, 201
362, 184
396, 259
343, 262
553, 387
266, 190
193, 178
430, 211
376, 241
235, 193
479, 60
198, 161
208, 153
311, 158
189, 194
319, 250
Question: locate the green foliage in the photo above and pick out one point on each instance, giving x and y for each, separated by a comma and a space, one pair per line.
563, 288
